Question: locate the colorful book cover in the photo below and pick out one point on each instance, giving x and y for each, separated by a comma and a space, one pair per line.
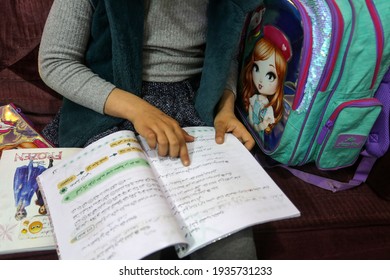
24, 221
17, 132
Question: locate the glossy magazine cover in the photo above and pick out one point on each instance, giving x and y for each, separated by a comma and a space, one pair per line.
16, 132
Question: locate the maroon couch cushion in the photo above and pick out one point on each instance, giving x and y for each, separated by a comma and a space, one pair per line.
351, 224
22, 25
379, 178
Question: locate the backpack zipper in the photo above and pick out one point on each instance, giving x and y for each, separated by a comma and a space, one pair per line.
366, 102
306, 59
337, 34
353, 22
379, 38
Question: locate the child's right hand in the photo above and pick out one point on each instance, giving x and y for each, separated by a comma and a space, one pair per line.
160, 130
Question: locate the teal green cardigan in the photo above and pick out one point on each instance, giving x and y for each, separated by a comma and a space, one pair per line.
115, 53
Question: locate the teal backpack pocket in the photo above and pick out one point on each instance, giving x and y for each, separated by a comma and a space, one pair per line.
345, 132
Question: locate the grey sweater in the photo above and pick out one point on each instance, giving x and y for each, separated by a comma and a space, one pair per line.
174, 41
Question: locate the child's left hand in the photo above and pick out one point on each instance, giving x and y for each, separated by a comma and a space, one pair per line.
227, 122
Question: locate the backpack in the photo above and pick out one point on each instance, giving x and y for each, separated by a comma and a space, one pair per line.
308, 84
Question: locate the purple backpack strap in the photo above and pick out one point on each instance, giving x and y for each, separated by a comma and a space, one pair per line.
376, 146
360, 176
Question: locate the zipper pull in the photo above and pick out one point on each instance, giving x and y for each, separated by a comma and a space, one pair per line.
327, 127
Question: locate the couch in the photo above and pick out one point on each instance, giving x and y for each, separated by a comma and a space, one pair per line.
352, 224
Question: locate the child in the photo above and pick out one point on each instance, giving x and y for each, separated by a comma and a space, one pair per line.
151, 67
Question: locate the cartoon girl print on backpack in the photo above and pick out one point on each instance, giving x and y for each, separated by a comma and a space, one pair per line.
263, 81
